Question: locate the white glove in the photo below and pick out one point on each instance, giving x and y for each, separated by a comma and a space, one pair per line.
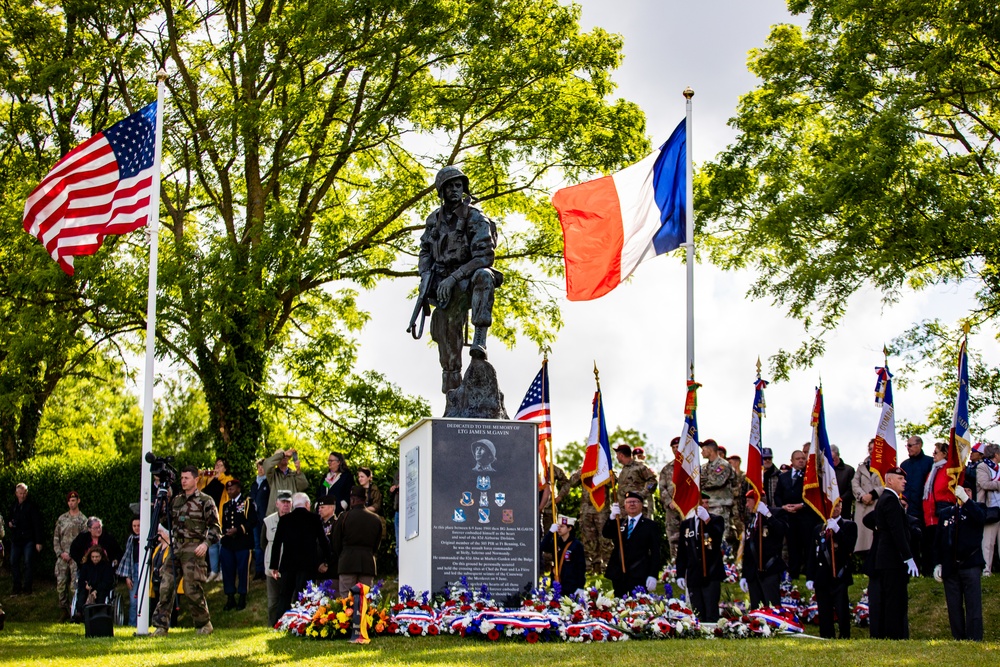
554, 527
743, 585
911, 568
937, 568
616, 510
762, 509
833, 525
650, 584
810, 586
682, 582
702, 513
962, 494
343, 504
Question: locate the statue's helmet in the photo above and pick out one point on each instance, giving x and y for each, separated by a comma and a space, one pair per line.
450, 173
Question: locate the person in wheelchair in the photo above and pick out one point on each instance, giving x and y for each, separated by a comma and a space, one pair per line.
96, 580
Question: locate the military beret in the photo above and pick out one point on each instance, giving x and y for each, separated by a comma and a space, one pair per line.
896, 471
633, 494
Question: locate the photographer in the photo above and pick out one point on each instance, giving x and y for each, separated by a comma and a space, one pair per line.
281, 478
214, 483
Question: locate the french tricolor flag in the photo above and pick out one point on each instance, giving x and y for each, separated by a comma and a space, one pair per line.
613, 223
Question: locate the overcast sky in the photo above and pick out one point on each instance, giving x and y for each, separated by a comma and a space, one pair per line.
636, 334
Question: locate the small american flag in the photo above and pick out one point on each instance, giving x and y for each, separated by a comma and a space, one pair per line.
101, 187
535, 406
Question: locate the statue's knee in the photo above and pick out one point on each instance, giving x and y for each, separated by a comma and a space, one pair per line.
482, 279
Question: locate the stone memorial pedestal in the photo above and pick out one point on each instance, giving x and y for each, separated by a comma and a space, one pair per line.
469, 497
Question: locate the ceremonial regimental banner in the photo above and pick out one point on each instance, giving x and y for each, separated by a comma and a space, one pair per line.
477, 514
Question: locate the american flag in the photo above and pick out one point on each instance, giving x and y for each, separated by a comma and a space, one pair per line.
535, 406
101, 187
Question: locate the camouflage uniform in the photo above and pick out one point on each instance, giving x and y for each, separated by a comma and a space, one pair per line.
67, 528
640, 478
671, 518
196, 521
717, 479
589, 525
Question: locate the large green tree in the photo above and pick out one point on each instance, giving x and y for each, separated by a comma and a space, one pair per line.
63, 70
300, 142
867, 156
302, 138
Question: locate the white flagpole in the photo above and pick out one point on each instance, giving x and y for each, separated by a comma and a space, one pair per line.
142, 621
689, 238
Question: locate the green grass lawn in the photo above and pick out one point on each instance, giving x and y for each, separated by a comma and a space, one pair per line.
32, 638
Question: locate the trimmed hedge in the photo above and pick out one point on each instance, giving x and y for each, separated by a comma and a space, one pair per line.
106, 486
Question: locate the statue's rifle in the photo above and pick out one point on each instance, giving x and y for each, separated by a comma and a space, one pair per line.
421, 309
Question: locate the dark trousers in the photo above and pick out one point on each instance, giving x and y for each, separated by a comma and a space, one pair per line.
799, 542
705, 600
235, 568
291, 584
22, 566
258, 553
875, 629
765, 591
832, 601
964, 595
928, 554
894, 608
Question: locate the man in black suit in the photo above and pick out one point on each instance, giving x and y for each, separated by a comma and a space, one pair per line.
300, 550
960, 563
356, 537
829, 572
699, 561
762, 563
637, 543
801, 519
894, 559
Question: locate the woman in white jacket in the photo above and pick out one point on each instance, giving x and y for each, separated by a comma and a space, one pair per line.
867, 487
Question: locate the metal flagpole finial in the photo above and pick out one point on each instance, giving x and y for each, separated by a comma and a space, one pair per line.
966, 327
885, 353
161, 75
597, 376
758, 366
688, 93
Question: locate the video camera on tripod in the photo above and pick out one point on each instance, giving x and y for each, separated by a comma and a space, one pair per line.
159, 466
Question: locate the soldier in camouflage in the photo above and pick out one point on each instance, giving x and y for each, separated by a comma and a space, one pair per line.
671, 513
590, 523
68, 526
636, 477
195, 528
717, 479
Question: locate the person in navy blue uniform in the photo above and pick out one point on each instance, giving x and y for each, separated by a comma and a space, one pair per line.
636, 544
960, 563
762, 562
239, 518
572, 558
893, 558
699, 560
917, 467
828, 572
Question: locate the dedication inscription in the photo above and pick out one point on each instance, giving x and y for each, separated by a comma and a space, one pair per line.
485, 523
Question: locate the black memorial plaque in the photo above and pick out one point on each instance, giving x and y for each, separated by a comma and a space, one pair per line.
485, 495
